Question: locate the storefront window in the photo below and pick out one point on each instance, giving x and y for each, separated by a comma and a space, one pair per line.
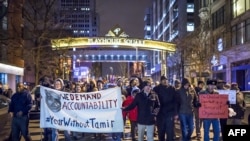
3, 78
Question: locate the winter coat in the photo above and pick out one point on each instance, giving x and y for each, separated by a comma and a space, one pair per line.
132, 114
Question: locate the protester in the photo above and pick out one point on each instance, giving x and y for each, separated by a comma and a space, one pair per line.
187, 101
132, 114
211, 89
198, 121
148, 107
239, 107
21, 103
168, 110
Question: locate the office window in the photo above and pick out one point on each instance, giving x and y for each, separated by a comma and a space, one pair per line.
240, 33
247, 30
239, 7
190, 26
190, 8
234, 35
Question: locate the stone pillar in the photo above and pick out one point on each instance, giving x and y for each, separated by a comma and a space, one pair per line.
163, 63
12, 82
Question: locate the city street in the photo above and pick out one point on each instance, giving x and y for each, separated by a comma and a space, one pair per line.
36, 133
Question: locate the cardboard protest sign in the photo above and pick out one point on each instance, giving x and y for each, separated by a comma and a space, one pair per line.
213, 106
94, 112
231, 95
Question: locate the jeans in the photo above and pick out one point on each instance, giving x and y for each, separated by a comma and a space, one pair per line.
117, 136
216, 129
141, 131
165, 125
67, 135
54, 134
187, 126
20, 125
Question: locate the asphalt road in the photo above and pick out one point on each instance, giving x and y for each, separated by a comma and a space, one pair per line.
37, 133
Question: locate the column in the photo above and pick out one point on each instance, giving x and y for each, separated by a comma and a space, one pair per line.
163, 63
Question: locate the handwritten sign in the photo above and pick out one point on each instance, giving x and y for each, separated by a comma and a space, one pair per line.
94, 112
231, 95
213, 106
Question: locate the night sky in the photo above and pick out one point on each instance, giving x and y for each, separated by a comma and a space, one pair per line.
129, 14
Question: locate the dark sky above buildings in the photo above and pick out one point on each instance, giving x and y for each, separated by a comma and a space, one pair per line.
129, 14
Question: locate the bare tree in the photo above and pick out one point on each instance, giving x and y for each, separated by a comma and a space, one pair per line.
42, 25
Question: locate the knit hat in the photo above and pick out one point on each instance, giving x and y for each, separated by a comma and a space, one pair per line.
177, 81
185, 81
135, 89
144, 83
163, 78
211, 82
200, 82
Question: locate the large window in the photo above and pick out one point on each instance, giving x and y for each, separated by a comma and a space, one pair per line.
239, 7
248, 30
190, 26
190, 8
218, 18
241, 33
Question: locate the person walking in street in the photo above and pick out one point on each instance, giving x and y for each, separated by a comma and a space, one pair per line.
148, 106
211, 89
187, 102
168, 110
21, 103
198, 121
132, 114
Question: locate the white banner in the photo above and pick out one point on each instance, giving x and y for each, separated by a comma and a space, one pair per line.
231, 95
95, 112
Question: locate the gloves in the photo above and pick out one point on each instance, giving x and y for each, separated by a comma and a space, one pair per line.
198, 104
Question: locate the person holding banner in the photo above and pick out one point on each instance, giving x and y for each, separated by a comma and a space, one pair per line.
211, 89
148, 107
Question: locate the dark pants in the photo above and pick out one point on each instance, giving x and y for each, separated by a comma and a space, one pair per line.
223, 123
20, 125
165, 126
133, 127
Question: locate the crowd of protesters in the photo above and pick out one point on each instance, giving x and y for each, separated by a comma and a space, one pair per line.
151, 107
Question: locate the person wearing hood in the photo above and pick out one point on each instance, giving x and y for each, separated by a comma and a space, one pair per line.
168, 110
148, 106
187, 101
132, 114
59, 85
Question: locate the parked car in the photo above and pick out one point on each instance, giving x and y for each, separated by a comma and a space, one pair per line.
247, 101
4, 106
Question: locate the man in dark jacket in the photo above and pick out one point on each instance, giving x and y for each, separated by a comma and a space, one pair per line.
148, 106
168, 109
21, 103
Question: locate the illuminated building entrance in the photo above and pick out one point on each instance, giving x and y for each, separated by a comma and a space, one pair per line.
117, 47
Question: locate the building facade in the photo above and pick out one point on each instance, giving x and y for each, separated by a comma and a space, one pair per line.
11, 43
233, 63
170, 20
